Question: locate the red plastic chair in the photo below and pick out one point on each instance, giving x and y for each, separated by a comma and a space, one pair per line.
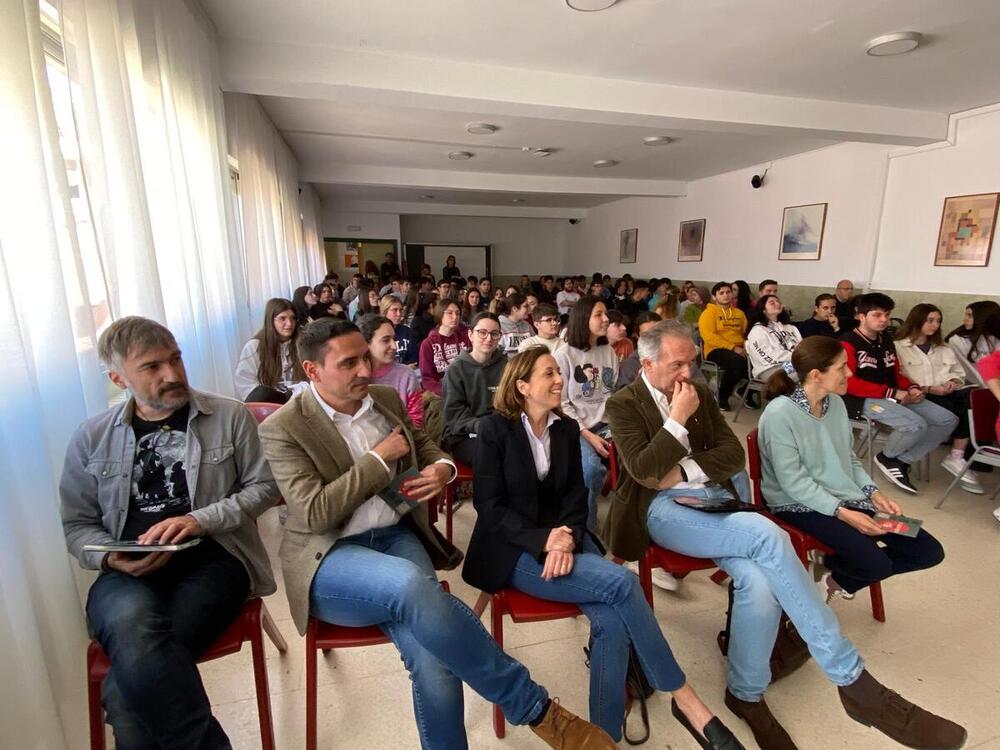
801, 541
464, 475
521, 607
983, 409
326, 636
675, 563
249, 625
261, 410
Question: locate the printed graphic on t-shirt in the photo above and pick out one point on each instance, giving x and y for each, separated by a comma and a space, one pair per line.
443, 355
592, 379
159, 479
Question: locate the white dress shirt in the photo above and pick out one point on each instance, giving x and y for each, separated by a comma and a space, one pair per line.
696, 477
541, 447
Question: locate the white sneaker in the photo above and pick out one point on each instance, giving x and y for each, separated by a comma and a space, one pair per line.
969, 480
661, 578
996, 513
831, 594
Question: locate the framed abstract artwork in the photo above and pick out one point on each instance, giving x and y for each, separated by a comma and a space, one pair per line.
691, 240
802, 232
629, 245
966, 232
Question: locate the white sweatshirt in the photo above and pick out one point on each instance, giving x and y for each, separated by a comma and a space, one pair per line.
771, 345
588, 379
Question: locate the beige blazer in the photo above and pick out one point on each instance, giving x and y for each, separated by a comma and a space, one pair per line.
323, 486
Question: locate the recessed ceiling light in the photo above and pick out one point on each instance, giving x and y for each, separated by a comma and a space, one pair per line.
518, 200
605, 163
657, 140
541, 152
460, 155
894, 44
590, 5
426, 197
481, 128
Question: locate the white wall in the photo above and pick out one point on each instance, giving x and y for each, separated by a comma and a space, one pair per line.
919, 181
532, 246
373, 226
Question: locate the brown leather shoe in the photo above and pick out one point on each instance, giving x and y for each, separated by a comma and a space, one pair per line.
870, 703
770, 735
565, 730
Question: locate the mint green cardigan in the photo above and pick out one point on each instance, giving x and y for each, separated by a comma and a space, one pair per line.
809, 461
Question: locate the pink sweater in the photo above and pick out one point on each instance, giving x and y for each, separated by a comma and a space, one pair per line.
404, 380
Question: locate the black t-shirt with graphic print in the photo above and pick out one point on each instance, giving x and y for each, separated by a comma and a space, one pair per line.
159, 478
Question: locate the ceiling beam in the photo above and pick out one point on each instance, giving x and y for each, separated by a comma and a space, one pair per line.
455, 209
291, 70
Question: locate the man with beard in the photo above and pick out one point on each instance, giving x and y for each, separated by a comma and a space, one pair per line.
167, 465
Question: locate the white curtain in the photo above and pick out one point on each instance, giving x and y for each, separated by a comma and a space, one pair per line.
312, 226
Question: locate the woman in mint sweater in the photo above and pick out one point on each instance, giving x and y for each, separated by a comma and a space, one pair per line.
811, 478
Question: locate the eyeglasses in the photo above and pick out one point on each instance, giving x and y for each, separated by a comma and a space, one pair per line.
484, 334
548, 320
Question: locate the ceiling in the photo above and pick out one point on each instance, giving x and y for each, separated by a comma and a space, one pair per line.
373, 94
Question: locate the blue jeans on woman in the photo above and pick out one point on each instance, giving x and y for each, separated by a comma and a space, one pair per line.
384, 577
153, 628
767, 578
613, 601
594, 474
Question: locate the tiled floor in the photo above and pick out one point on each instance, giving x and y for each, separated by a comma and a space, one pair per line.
938, 647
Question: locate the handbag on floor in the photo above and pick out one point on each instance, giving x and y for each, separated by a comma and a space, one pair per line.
637, 688
789, 653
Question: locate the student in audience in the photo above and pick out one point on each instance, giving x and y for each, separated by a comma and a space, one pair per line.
926, 360
442, 345
767, 287
618, 335
324, 298
844, 294
485, 289
268, 365
673, 443
590, 368
531, 535
498, 294
666, 307
978, 336
473, 305
389, 268
426, 273
547, 290
530, 303
660, 287
885, 395
336, 310
628, 368
547, 324
469, 385
511, 289
380, 335
355, 553
410, 305
619, 294
351, 292
169, 464
824, 320
450, 269
407, 346
772, 339
989, 370
721, 327
364, 288
524, 285
742, 299
812, 480
512, 311
332, 279
636, 300
303, 300
567, 297
444, 289
698, 298
424, 318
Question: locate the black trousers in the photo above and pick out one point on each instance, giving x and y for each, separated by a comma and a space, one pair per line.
957, 402
858, 561
734, 369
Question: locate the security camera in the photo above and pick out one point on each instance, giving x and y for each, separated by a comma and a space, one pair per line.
758, 179
574, 221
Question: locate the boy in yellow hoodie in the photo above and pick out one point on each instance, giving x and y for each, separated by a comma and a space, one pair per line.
723, 331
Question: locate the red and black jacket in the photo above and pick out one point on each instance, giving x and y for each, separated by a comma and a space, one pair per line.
874, 367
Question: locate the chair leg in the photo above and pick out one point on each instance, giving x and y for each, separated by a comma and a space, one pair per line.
741, 404
311, 689
260, 680
496, 617
449, 509
878, 607
272, 631
481, 603
953, 483
720, 577
96, 717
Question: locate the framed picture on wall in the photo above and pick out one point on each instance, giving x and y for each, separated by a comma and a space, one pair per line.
691, 240
802, 232
966, 232
629, 245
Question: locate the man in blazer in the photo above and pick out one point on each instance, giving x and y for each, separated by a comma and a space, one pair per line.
673, 442
358, 547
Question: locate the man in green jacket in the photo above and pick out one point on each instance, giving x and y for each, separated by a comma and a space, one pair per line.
673, 442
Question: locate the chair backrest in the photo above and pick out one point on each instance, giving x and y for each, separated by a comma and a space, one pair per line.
983, 409
753, 463
261, 410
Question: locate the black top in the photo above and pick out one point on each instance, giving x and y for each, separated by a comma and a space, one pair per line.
447, 273
515, 511
845, 313
813, 327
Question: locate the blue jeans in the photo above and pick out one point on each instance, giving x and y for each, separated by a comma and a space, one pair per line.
384, 577
767, 577
917, 429
152, 629
594, 474
613, 601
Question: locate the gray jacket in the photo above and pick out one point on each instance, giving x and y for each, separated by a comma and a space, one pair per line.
229, 482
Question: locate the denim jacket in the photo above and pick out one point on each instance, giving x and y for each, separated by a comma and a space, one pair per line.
229, 482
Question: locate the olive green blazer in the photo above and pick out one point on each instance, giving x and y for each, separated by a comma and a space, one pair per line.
646, 452
323, 486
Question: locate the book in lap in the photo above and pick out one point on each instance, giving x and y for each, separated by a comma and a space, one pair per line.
902, 525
